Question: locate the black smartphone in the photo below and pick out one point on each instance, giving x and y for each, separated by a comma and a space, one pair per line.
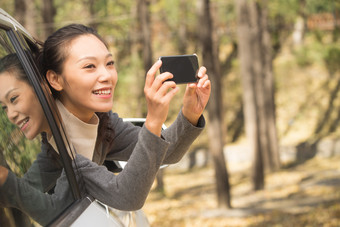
183, 67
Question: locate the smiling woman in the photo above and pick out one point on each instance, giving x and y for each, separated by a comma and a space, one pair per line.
82, 76
17, 98
87, 82
21, 105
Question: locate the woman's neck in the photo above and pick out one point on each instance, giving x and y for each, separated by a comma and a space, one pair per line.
83, 115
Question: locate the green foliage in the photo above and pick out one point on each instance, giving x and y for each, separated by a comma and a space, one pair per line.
332, 59
303, 57
287, 10
317, 6
19, 152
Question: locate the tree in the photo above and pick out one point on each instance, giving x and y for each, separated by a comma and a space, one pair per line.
258, 86
182, 30
215, 131
93, 23
144, 46
24, 13
48, 13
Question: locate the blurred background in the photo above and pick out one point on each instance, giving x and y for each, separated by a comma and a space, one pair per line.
270, 153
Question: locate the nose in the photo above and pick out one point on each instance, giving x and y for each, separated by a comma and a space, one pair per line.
105, 74
12, 114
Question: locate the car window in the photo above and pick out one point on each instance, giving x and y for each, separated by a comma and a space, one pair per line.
37, 189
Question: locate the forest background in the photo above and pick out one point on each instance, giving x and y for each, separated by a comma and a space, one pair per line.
272, 121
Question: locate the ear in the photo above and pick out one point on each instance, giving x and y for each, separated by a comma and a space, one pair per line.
54, 80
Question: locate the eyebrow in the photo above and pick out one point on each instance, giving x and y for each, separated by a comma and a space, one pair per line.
8, 93
92, 57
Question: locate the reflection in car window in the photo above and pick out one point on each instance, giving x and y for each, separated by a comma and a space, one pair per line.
18, 153
6, 46
29, 185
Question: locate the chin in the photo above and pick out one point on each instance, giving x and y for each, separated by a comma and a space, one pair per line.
30, 136
104, 108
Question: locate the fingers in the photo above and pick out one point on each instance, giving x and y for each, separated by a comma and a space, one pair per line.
203, 77
157, 89
202, 71
203, 81
150, 75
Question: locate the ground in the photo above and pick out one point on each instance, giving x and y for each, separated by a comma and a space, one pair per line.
307, 194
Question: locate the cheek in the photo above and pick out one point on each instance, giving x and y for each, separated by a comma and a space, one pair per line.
115, 80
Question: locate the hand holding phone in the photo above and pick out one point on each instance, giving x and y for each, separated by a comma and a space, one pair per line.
183, 67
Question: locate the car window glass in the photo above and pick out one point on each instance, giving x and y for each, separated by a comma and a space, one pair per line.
36, 189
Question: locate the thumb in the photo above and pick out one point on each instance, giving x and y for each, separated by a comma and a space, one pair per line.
191, 88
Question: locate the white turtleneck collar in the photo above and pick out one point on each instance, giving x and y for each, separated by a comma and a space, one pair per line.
81, 136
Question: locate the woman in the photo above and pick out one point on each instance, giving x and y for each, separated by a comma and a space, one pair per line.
83, 80
17, 98
22, 107
82, 76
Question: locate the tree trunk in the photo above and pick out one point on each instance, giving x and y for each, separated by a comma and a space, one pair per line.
145, 49
31, 18
20, 9
215, 130
182, 27
145, 28
25, 15
273, 162
258, 87
48, 13
92, 9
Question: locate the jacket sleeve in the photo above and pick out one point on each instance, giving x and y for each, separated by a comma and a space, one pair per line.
45, 170
42, 207
129, 189
180, 135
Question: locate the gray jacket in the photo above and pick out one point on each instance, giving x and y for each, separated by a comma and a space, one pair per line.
117, 140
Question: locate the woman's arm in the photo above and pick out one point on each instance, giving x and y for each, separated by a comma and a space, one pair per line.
45, 170
129, 189
181, 134
42, 207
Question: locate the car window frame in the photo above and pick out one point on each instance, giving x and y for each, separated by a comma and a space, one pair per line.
33, 76
23, 43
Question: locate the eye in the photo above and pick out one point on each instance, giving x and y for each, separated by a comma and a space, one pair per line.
89, 66
4, 108
12, 99
111, 63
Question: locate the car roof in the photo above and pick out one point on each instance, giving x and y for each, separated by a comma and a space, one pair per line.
9, 22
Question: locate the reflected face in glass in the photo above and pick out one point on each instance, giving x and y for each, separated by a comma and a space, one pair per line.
21, 105
89, 77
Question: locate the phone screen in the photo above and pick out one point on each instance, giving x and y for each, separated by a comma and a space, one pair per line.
183, 67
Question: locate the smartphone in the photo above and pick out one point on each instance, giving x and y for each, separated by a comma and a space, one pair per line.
183, 67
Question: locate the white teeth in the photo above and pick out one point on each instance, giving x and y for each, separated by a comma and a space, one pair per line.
23, 123
102, 92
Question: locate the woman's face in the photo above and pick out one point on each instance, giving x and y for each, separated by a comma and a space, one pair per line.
89, 77
22, 106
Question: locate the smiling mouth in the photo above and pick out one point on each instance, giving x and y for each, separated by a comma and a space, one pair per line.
23, 123
102, 92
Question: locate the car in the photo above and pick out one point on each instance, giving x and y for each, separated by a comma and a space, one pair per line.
18, 153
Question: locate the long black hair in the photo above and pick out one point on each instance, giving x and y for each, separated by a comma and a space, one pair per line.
11, 64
